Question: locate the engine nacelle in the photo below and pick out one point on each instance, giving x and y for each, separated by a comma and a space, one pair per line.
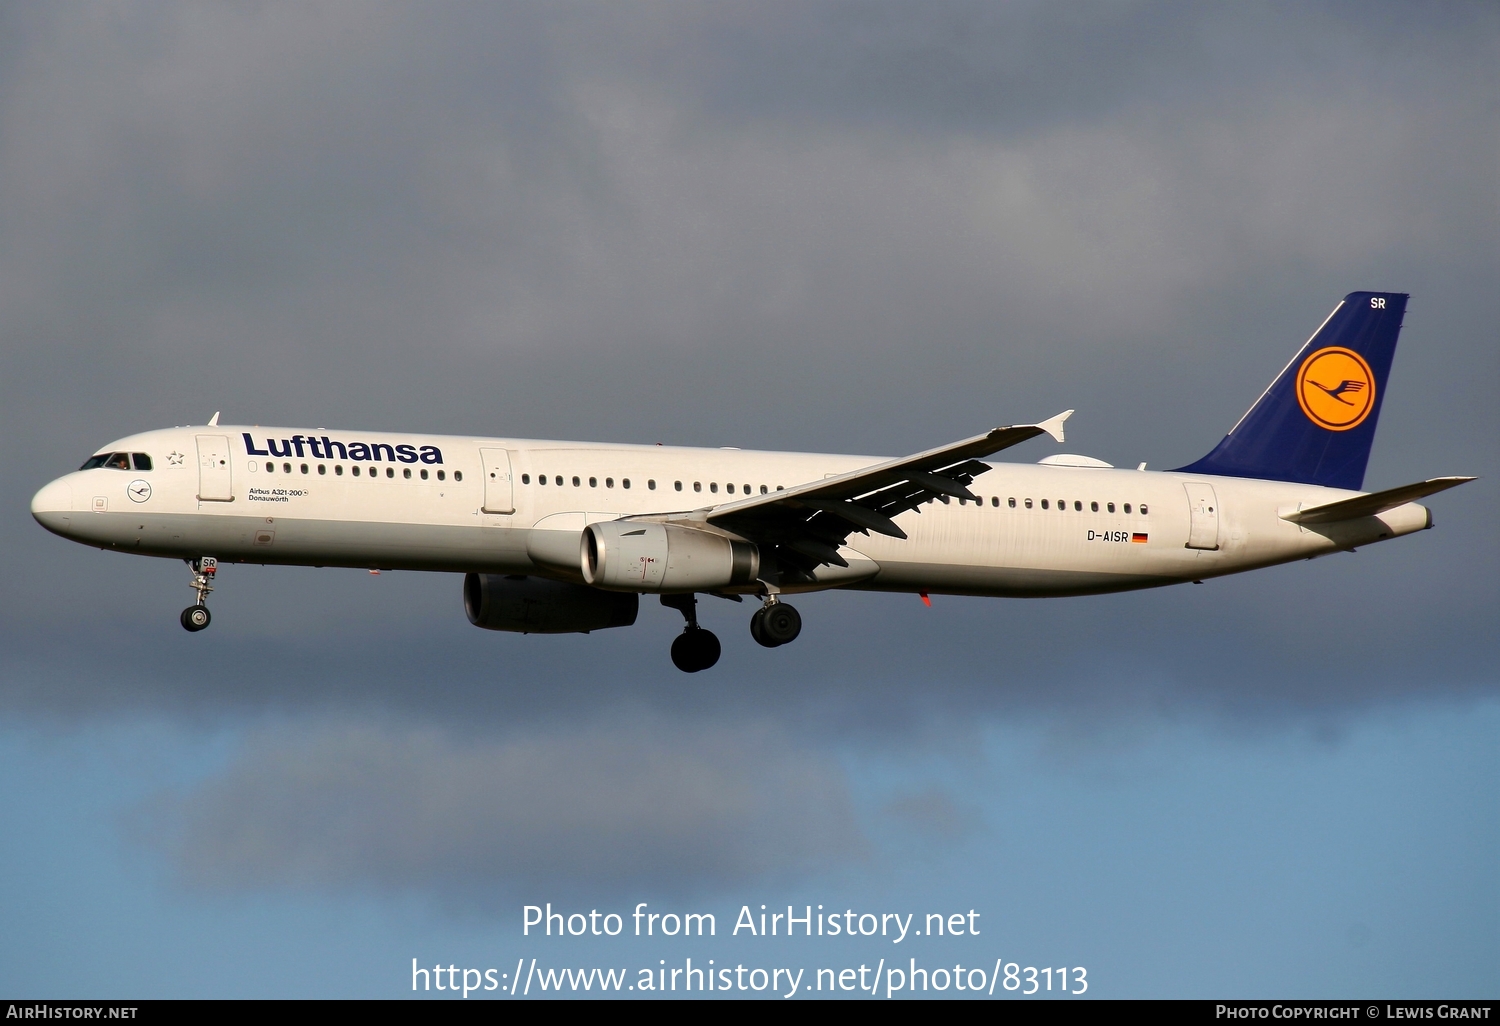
634, 556
535, 605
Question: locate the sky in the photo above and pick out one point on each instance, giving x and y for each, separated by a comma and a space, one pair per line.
862, 227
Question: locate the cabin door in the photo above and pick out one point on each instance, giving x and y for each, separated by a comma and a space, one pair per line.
214, 469
499, 489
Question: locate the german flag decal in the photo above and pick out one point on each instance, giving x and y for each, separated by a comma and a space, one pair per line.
1138, 537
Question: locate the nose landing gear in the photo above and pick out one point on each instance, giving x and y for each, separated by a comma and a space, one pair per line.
775, 623
695, 648
196, 617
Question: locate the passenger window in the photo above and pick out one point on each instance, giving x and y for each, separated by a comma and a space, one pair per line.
609, 482
542, 480
677, 485
525, 478
458, 475
117, 461
270, 468
390, 471
747, 489
1011, 502
556, 479
141, 460
286, 468
424, 474
1044, 504
575, 481
995, 501
406, 473
713, 486
440, 475
729, 488
781, 488
1093, 507
353, 470
1028, 503
338, 471
763, 489
593, 482
1127, 507
322, 469
1077, 506
1062, 503
1143, 509
697, 486
650, 483
1109, 506
304, 468
625, 482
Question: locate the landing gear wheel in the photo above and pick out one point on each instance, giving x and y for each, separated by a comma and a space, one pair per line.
695, 649
195, 618
758, 630
778, 623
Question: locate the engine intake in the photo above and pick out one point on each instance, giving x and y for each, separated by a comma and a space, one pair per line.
630, 555
536, 605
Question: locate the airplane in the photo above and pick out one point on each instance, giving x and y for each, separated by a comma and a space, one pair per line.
564, 537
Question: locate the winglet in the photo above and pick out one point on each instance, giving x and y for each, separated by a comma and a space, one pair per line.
214, 420
1054, 427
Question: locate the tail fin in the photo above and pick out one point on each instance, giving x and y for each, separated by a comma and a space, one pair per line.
1316, 422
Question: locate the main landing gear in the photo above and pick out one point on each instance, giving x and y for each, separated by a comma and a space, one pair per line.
775, 623
695, 648
196, 617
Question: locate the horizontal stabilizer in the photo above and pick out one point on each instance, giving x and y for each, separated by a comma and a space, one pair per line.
1374, 503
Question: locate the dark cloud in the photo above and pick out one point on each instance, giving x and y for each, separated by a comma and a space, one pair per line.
862, 228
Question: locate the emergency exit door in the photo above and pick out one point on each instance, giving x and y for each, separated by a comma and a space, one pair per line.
215, 483
1203, 509
499, 490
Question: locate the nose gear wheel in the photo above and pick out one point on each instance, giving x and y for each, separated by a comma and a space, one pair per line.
196, 617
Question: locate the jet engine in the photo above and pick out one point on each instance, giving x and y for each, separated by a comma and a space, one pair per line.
638, 556
535, 605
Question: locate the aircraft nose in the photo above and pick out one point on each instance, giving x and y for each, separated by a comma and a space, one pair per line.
53, 505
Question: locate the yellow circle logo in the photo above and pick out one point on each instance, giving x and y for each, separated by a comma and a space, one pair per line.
1336, 388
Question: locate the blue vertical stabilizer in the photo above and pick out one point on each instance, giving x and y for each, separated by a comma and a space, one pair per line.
1316, 422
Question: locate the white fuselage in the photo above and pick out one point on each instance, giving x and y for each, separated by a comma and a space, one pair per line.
1038, 531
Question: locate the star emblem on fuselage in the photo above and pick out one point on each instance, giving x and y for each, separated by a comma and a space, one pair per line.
175, 458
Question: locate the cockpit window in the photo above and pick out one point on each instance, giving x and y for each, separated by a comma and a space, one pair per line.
94, 461
140, 460
118, 461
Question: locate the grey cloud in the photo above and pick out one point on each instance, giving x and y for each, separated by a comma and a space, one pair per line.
669, 805
831, 227
933, 814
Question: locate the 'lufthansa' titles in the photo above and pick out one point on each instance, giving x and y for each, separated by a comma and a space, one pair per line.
325, 448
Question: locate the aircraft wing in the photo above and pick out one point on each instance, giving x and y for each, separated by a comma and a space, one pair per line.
802, 527
1374, 503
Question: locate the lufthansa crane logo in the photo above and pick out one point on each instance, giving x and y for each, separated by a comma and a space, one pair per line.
1336, 388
